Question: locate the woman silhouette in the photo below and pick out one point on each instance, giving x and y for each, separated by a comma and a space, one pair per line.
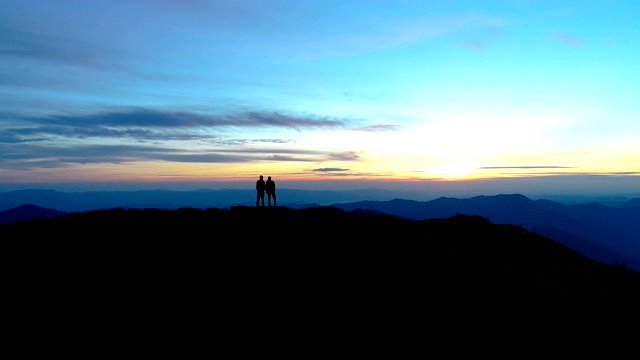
270, 187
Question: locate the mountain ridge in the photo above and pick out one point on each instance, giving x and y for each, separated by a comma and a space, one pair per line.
365, 255
605, 233
587, 228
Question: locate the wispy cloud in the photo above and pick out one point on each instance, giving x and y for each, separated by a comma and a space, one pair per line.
150, 118
329, 169
480, 40
47, 141
390, 35
525, 167
344, 156
567, 39
56, 49
38, 156
148, 124
377, 128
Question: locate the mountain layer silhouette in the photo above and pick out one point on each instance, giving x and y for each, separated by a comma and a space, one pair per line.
607, 234
322, 252
603, 233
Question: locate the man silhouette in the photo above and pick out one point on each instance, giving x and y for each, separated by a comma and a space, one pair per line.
270, 188
260, 185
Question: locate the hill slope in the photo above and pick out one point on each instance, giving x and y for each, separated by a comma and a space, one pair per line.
322, 250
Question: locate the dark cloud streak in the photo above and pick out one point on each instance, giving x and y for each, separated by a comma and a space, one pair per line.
345, 156
329, 169
154, 125
174, 136
43, 156
138, 117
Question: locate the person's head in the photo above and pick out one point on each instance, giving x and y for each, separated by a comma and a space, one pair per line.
260, 177
269, 178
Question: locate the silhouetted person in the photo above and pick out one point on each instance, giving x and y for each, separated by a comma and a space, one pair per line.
271, 191
260, 185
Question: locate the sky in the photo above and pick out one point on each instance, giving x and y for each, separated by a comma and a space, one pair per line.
328, 94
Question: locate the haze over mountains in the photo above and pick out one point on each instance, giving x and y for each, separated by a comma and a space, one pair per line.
605, 233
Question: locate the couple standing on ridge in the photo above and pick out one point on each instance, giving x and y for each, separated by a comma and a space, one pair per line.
269, 187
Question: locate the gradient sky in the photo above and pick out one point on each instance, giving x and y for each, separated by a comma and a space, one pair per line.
220, 91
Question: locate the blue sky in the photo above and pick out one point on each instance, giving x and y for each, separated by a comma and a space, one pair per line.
339, 94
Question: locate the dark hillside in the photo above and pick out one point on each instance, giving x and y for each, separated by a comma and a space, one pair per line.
319, 273
324, 248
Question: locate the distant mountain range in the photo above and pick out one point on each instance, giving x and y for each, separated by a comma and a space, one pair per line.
27, 212
166, 199
604, 233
